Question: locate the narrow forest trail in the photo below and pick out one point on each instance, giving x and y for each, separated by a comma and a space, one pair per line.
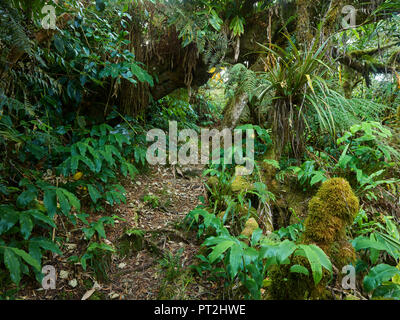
139, 275
158, 200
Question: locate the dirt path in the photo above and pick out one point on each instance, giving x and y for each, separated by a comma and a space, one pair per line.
157, 203
155, 265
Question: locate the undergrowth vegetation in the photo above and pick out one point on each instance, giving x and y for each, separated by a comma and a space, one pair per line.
77, 102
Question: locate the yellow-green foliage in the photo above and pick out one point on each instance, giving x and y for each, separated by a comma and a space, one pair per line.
330, 211
396, 278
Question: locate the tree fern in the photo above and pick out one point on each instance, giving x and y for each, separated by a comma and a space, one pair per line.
340, 112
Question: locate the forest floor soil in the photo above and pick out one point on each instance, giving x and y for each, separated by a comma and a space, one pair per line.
157, 203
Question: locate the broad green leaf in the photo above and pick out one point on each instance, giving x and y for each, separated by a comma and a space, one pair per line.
219, 249
235, 260
250, 254
378, 274
253, 288
389, 290
285, 250
50, 202
299, 269
12, 263
102, 246
99, 227
26, 225
366, 243
42, 217
27, 258
317, 177
46, 244
25, 198
315, 263
8, 218
141, 74
84, 258
35, 251
94, 193
323, 258
89, 233
64, 204
73, 200
256, 236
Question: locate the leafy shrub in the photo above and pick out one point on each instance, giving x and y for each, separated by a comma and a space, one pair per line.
251, 263
381, 250
363, 157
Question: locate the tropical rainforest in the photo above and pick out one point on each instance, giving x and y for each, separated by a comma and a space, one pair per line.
84, 215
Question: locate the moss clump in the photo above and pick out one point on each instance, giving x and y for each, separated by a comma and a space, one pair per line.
250, 226
286, 285
240, 183
333, 208
330, 211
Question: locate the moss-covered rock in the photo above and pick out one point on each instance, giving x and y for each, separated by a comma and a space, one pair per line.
266, 225
335, 198
330, 211
234, 109
242, 171
333, 208
296, 202
250, 226
240, 183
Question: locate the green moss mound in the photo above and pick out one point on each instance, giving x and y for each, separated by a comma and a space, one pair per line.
330, 212
250, 226
240, 183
